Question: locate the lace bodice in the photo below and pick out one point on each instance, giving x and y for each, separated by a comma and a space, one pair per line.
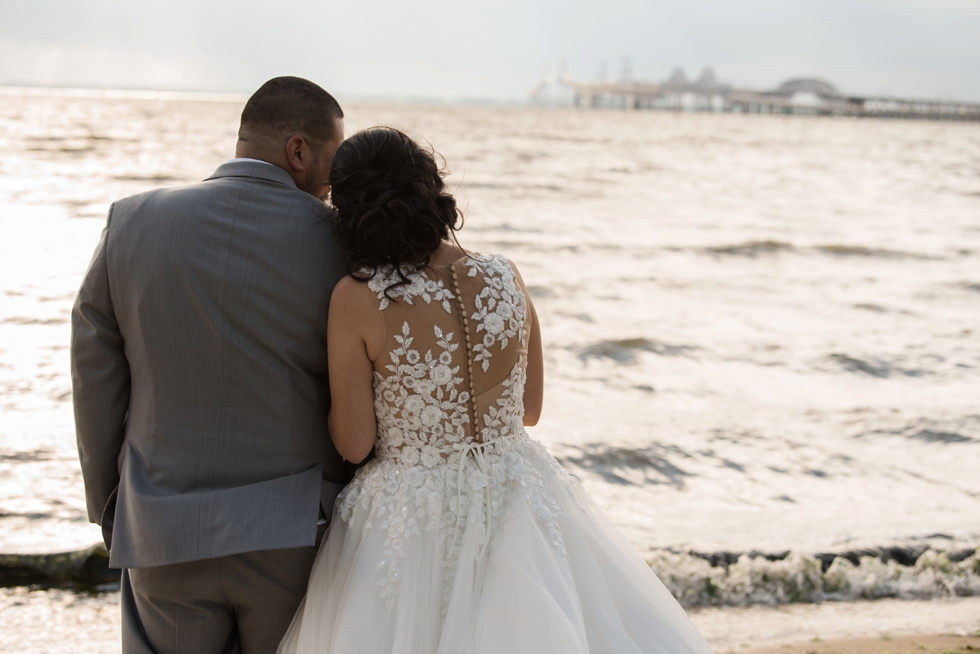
449, 402
454, 360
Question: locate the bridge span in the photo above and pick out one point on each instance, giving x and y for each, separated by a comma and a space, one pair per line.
799, 96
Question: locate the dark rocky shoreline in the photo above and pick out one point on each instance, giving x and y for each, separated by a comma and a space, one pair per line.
905, 556
82, 570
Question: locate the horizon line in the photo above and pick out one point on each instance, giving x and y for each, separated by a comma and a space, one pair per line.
136, 93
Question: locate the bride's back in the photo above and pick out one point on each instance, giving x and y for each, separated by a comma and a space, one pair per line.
452, 367
463, 534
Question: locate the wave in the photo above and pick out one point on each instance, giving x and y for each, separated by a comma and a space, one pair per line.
870, 306
72, 137
965, 429
625, 350
649, 466
751, 248
150, 178
766, 247
65, 150
514, 187
32, 455
741, 579
874, 367
861, 251
20, 320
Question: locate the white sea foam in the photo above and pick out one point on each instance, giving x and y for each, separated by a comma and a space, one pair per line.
803, 578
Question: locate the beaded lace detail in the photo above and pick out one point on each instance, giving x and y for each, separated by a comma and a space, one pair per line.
444, 456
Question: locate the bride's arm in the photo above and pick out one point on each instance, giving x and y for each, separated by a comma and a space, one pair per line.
354, 339
534, 384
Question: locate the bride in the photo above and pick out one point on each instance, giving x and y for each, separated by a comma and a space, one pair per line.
462, 535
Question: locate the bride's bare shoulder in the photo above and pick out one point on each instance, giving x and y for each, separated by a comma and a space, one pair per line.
354, 311
350, 289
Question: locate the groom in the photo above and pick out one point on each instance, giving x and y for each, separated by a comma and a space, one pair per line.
199, 370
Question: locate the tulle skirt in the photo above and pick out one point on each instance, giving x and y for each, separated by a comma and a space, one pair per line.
413, 565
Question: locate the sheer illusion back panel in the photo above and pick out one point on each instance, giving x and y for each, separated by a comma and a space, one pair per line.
454, 355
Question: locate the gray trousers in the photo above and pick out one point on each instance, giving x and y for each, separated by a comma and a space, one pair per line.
238, 604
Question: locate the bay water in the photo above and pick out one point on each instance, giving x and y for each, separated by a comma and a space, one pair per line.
761, 332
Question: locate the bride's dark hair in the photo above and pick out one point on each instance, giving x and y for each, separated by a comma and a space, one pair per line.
393, 207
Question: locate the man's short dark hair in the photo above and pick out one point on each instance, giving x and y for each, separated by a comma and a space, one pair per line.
284, 106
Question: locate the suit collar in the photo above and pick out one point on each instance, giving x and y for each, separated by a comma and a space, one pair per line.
254, 169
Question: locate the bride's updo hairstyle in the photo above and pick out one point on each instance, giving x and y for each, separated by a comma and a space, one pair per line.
393, 207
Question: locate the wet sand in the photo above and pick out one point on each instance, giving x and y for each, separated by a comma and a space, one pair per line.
918, 644
829, 627
58, 622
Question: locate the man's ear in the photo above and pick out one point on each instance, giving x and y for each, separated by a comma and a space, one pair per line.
298, 154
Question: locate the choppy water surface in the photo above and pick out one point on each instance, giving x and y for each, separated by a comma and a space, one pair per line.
761, 332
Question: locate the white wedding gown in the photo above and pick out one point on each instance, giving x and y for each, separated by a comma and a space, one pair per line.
451, 542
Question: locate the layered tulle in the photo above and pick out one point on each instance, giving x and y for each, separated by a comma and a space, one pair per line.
404, 569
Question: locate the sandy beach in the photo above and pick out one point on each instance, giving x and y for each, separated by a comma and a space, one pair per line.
62, 622
861, 627
880, 645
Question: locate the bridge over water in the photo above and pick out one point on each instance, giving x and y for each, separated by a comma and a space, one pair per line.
802, 96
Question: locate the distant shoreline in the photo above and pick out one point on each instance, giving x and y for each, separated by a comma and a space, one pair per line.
191, 95
120, 94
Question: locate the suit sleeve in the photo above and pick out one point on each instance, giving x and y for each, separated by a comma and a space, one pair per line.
100, 383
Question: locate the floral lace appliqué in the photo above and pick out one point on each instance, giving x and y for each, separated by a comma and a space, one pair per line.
419, 285
501, 308
419, 408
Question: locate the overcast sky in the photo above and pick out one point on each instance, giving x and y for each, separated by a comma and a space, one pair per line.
492, 49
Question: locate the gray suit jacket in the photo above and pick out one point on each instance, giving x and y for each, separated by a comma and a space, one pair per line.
199, 369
